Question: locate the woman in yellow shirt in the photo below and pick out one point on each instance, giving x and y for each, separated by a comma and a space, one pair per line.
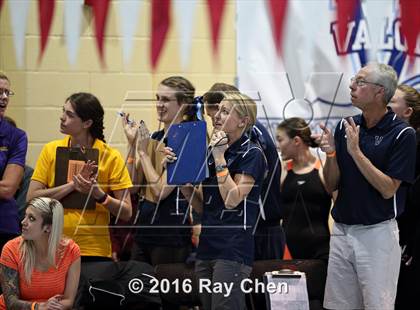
82, 122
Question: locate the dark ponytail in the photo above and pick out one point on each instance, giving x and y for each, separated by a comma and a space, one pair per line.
88, 107
296, 126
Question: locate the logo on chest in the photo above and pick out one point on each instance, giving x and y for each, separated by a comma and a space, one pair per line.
378, 140
4, 148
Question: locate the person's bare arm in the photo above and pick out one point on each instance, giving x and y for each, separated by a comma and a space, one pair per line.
331, 170
331, 174
322, 178
155, 181
72, 282
131, 130
120, 206
383, 183
194, 196
234, 190
133, 170
38, 189
9, 279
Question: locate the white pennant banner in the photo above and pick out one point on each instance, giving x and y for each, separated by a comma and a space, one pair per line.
184, 14
377, 14
73, 11
18, 11
129, 16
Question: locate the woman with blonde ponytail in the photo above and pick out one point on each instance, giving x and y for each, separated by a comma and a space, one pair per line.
40, 269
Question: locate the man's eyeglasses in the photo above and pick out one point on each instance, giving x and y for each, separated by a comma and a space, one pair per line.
362, 82
6, 92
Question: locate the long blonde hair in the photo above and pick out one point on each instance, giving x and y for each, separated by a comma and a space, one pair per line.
244, 106
52, 214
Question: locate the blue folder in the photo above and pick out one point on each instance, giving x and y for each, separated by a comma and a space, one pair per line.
188, 141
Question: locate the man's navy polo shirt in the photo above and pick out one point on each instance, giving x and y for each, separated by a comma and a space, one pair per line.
391, 147
228, 234
161, 224
13, 147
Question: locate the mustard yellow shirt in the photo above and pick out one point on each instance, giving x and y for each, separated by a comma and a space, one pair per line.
89, 229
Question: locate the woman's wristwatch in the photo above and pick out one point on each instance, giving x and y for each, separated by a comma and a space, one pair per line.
102, 199
221, 170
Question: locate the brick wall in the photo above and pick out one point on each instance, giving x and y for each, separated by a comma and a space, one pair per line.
42, 88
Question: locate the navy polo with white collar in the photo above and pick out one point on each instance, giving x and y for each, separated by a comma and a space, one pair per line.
229, 233
390, 145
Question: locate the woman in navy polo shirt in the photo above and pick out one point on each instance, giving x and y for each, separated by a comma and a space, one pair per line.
228, 201
13, 146
164, 233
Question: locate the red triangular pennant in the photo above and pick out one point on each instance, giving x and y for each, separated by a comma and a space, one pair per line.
286, 253
410, 24
161, 20
46, 13
346, 10
216, 10
278, 12
100, 13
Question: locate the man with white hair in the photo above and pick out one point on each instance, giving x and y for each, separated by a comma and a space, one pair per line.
370, 160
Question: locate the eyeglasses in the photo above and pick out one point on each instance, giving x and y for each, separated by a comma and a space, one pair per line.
362, 82
6, 92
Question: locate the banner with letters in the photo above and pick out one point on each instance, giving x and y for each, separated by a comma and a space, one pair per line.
310, 76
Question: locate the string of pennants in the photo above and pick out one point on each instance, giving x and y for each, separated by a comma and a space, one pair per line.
161, 21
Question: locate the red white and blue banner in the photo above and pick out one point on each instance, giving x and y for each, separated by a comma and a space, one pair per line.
324, 43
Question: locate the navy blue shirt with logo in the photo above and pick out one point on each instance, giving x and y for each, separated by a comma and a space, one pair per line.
228, 233
391, 147
167, 222
13, 147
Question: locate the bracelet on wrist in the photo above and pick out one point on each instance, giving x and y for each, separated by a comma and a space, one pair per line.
222, 173
220, 168
102, 199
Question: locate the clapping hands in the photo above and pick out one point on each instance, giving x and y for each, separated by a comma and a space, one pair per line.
130, 128
136, 133
84, 180
143, 137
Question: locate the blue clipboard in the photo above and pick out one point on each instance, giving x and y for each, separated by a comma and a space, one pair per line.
188, 141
